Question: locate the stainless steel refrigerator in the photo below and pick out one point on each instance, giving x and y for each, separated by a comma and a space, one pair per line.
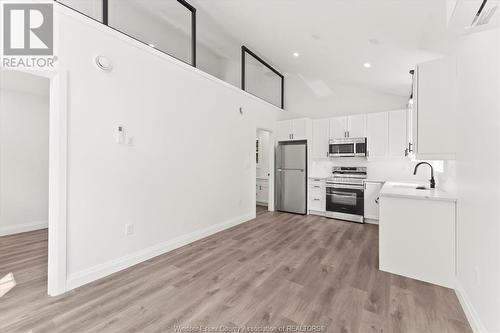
291, 177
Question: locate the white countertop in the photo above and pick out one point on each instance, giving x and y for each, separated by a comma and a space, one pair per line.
408, 190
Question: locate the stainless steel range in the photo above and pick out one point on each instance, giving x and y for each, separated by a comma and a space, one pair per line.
345, 194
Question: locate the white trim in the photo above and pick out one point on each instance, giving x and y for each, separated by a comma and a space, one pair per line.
471, 314
99, 271
369, 220
25, 227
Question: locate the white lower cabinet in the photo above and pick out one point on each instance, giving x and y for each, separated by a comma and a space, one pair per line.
372, 191
417, 239
262, 191
317, 196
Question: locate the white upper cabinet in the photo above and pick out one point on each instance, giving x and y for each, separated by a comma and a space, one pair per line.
321, 137
397, 133
348, 127
301, 128
434, 114
285, 129
338, 127
356, 126
296, 129
378, 132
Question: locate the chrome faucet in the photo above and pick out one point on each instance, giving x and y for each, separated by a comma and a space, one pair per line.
433, 182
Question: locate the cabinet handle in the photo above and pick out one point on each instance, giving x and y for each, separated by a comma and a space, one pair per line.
316, 186
347, 133
316, 199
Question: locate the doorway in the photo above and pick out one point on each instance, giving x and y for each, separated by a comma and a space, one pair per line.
24, 177
264, 167
34, 122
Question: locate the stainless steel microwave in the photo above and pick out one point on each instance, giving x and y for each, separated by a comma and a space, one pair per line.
347, 147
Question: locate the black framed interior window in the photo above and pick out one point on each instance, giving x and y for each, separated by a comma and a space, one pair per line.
168, 26
261, 79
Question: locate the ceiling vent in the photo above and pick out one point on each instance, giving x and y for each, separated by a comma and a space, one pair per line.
485, 13
472, 15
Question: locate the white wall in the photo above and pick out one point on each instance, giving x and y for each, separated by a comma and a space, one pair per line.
394, 169
24, 129
478, 165
190, 170
317, 99
263, 168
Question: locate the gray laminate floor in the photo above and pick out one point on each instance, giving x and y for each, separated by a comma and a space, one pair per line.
279, 269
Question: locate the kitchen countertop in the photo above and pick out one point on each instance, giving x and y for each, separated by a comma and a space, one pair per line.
408, 190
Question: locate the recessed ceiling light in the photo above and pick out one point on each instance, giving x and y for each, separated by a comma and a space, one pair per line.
152, 45
296, 54
367, 65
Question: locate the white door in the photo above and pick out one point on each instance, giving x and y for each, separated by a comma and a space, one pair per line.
372, 191
378, 129
338, 127
285, 130
397, 133
300, 129
321, 137
356, 126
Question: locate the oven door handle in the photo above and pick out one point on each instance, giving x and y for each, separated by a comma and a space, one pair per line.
342, 194
351, 187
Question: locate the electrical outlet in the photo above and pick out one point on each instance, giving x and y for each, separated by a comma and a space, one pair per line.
477, 276
129, 229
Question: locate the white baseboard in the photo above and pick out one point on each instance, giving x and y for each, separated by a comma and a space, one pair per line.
25, 227
371, 221
474, 320
99, 271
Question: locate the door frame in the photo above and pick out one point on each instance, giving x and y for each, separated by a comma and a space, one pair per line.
58, 164
272, 146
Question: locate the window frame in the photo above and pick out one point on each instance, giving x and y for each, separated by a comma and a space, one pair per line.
105, 21
244, 51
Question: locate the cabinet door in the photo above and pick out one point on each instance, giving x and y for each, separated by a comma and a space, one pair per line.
397, 133
378, 131
264, 193
321, 137
436, 109
285, 130
338, 127
372, 191
356, 126
300, 129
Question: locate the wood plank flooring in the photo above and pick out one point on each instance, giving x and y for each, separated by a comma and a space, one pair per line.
278, 269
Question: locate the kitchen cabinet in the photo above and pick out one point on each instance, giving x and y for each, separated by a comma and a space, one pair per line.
348, 127
417, 234
320, 138
317, 196
296, 129
372, 192
434, 109
397, 133
262, 191
338, 127
356, 126
377, 136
